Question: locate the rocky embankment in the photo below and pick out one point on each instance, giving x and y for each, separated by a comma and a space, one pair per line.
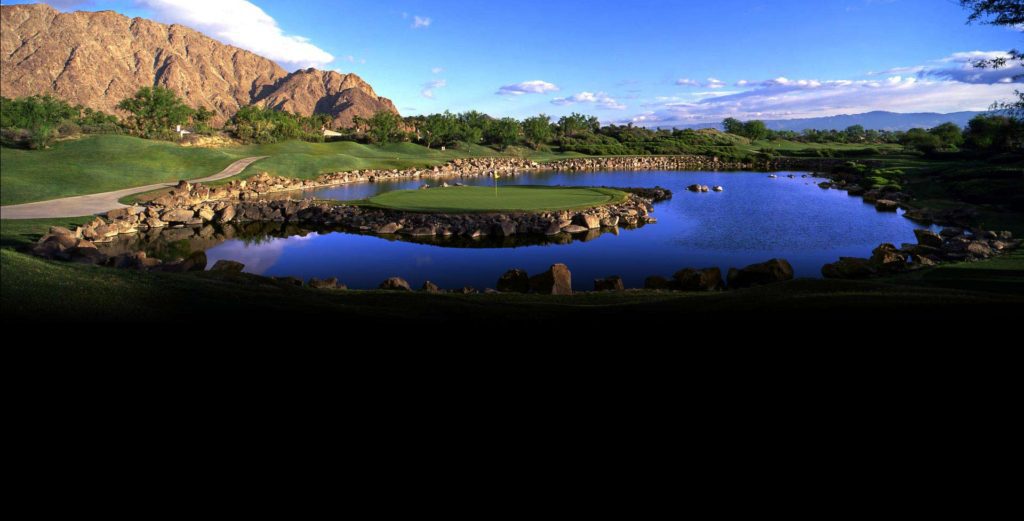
949, 245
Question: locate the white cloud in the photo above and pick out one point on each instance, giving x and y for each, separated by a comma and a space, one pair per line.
600, 100
437, 70
960, 67
243, 24
783, 98
687, 82
527, 87
714, 83
420, 21
430, 86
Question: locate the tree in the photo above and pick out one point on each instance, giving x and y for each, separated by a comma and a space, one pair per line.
439, 129
855, 133
576, 124
921, 140
384, 127
1008, 13
950, 135
504, 132
733, 126
994, 133
155, 111
755, 129
473, 126
537, 130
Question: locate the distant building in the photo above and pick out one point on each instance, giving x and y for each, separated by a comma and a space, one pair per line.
331, 133
181, 132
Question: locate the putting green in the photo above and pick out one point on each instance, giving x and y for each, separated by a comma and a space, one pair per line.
455, 199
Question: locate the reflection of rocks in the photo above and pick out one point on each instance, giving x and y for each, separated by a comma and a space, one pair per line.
328, 283
849, 268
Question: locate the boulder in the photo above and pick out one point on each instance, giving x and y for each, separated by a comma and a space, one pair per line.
689, 279
505, 228
291, 281
611, 283
848, 268
328, 283
430, 287
196, 261
554, 228
206, 213
768, 272
388, 228
557, 280
178, 215
467, 290
656, 282
886, 257
395, 284
85, 255
587, 221
886, 205
979, 249
951, 232
226, 214
228, 265
423, 231
929, 238
610, 222
574, 228
514, 281
922, 260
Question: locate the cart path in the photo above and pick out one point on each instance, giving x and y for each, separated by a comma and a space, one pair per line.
98, 203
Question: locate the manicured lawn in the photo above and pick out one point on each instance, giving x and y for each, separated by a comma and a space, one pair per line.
96, 164
501, 199
100, 163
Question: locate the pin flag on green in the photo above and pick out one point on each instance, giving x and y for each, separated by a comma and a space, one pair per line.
496, 176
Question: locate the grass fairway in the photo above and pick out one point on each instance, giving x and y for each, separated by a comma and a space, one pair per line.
456, 199
101, 163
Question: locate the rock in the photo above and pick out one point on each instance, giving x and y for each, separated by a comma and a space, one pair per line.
611, 221
886, 205
196, 261
929, 238
825, 185
979, 249
554, 228
179, 215
292, 281
1006, 235
395, 284
228, 265
922, 260
506, 228
226, 214
154, 222
573, 228
587, 221
85, 255
388, 228
656, 282
717, 188
557, 280
950, 232
768, 272
423, 231
467, 290
707, 279
611, 283
430, 287
514, 281
849, 268
887, 258
328, 283
206, 213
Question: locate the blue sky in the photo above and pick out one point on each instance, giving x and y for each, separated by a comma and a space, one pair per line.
657, 63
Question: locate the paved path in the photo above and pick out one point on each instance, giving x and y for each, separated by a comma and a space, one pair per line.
98, 203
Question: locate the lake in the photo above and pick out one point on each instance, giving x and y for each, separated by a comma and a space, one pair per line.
754, 219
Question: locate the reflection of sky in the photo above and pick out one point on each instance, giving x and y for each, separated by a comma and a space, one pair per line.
754, 219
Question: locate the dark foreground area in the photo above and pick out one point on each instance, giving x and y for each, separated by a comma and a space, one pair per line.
35, 290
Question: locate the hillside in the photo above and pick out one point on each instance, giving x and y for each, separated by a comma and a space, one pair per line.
98, 58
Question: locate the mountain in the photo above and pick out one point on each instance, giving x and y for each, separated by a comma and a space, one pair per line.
96, 59
877, 120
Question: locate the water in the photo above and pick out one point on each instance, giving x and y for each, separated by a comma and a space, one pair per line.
756, 218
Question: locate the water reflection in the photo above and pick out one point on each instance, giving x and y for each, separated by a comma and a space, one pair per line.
754, 219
